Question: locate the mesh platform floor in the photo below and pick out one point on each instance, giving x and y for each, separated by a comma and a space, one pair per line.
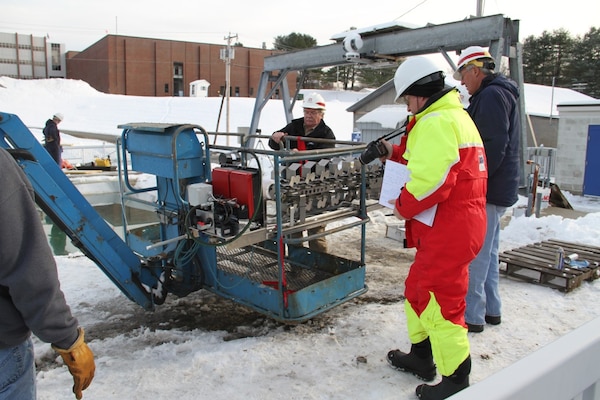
260, 265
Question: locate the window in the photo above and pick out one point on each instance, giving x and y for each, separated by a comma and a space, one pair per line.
177, 79
166, 88
55, 55
177, 70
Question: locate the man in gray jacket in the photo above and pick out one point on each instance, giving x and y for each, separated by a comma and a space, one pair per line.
30, 295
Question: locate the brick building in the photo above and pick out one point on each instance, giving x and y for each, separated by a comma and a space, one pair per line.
154, 67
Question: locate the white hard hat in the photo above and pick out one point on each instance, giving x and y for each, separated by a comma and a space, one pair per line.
475, 55
418, 72
58, 116
314, 101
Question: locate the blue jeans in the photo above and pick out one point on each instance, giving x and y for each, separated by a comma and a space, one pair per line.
17, 372
483, 297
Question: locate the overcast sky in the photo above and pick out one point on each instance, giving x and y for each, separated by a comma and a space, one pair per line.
79, 24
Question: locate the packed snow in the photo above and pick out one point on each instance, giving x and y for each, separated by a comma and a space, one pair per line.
203, 346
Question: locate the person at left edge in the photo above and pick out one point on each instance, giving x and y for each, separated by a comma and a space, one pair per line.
311, 125
30, 295
52, 138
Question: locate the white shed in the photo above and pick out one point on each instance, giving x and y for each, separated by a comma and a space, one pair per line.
577, 162
199, 88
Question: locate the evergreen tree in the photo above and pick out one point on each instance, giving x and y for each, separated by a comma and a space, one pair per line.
585, 64
294, 41
309, 79
544, 58
558, 59
346, 74
375, 77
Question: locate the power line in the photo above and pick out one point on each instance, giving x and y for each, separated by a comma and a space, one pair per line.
412, 9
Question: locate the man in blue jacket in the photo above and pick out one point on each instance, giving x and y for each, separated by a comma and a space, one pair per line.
494, 107
52, 138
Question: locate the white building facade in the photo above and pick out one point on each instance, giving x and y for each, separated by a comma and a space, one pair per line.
577, 161
31, 57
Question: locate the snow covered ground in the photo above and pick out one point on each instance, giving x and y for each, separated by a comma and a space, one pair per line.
203, 346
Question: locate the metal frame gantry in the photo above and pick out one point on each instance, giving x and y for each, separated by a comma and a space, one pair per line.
498, 33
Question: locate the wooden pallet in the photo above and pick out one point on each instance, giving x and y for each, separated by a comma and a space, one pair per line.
535, 263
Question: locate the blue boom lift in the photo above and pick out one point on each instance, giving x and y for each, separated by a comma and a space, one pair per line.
216, 227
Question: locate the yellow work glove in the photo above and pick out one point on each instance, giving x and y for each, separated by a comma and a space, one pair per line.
80, 360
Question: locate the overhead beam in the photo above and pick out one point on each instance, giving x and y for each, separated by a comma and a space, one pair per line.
452, 36
497, 32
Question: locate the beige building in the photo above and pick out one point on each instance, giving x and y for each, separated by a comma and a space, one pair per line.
31, 57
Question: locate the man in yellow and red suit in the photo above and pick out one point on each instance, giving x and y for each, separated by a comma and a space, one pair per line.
445, 157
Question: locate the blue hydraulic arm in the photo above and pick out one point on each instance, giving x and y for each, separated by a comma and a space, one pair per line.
68, 209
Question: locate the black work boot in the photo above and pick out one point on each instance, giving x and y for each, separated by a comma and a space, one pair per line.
418, 362
449, 385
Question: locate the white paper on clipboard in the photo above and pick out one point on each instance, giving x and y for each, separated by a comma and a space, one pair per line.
395, 177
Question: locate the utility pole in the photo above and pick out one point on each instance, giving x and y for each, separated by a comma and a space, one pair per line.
479, 12
227, 57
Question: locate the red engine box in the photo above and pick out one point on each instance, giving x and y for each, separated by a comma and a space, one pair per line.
240, 184
220, 182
